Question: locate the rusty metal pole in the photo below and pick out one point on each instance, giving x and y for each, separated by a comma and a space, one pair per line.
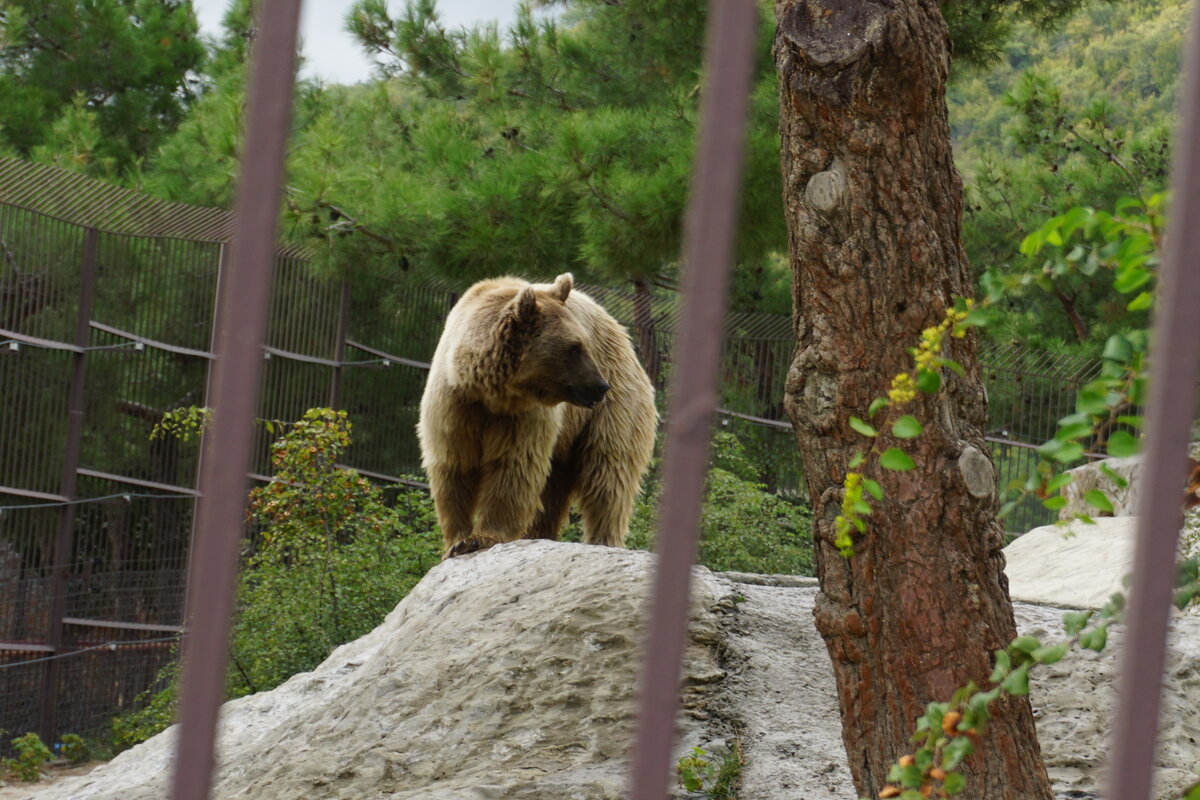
48, 721
1174, 368
707, 252
236, 375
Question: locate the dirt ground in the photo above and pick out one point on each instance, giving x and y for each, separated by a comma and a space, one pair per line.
16, 790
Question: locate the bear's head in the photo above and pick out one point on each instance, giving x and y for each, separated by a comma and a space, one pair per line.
554, 359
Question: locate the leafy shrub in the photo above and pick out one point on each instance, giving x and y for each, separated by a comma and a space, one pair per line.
332, 559
743, 527
31, 754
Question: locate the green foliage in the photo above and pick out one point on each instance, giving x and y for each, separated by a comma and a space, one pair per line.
31, 755
75, 749
979, 31
94, 85
712, 776
155, 709
1079, 117
184, 423
743, 527
333, 558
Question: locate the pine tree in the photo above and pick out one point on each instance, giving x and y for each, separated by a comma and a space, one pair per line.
125, 63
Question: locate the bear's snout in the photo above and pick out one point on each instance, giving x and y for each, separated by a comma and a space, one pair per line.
589, 396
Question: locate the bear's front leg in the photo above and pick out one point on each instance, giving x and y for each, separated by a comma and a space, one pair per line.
455, 490
516, 463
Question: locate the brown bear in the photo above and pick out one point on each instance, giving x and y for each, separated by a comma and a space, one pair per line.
535, 398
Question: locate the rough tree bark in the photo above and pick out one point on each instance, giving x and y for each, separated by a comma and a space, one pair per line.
874, 211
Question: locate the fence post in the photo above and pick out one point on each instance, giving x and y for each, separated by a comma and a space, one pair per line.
48, 718
339, 345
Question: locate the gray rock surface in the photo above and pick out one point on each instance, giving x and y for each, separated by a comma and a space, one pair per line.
511, 674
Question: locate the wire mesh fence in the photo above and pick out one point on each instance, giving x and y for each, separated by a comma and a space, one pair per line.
147, 348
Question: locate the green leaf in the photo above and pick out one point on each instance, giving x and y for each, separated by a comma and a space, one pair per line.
857, 460
1121, 444
1094, 639
1049, 654
862, 427
1113, 475
911, 777
928, 381
907, 427
1059, 481
876, 404
1117, 348
1056, 503
1072, 430
955, 751
1074, 621
1002, 668
1098, 499
1140, 303
873, 488
953, 366
954, 783
1017, 681
1130, 278
1025, 644
896, 459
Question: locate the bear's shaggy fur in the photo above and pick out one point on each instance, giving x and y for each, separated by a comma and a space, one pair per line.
535, 398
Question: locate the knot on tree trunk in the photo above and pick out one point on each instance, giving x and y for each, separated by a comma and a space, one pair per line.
834, 32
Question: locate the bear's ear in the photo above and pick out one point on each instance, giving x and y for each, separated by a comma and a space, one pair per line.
563, 285
523, 307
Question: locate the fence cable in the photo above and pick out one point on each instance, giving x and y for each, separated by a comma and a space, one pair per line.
112, 646
126, 496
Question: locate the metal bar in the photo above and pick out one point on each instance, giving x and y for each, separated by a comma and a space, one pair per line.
407, 362
707, 253
1174, 368
37, 341
56, 498
109, 476
339, 345
48, 718
236, 377
21, 647
293, 356
770, 423
133, 337
124, 626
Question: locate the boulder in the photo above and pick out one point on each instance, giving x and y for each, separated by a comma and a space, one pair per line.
1073, 563
511, 674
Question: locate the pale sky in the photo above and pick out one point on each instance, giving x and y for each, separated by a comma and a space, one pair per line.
331, 53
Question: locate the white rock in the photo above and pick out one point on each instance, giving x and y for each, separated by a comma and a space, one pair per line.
1072, 564
511, 673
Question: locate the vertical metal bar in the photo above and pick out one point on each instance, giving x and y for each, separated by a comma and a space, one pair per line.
707, 252
68, 483
1174, 367
235, 389
339, 345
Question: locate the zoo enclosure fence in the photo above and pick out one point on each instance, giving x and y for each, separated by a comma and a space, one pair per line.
107, 303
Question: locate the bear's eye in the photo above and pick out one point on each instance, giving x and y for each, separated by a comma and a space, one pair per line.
575, 350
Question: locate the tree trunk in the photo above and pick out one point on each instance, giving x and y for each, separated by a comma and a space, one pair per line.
874, 210
643, 325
